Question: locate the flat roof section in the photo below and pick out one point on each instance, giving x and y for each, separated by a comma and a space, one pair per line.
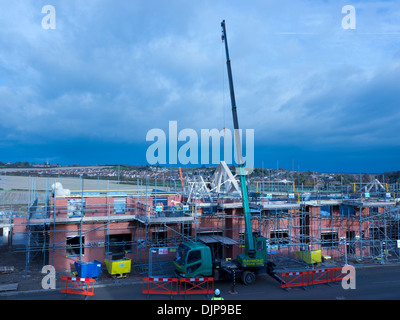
215, 238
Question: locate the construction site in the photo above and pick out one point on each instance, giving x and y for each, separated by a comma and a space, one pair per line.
351, 224
154, 228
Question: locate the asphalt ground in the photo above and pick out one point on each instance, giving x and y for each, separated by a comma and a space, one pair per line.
264, 299
371, 283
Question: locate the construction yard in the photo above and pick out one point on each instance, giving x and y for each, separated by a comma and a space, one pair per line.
144, 225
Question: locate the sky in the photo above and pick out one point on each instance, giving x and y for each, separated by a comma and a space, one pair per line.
319, 96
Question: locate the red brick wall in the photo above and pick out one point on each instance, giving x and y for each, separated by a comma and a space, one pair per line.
19, 225
310, 224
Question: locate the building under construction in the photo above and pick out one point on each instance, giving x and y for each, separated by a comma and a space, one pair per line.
354, 224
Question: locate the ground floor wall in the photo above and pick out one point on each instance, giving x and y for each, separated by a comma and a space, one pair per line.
286, 232
131, 240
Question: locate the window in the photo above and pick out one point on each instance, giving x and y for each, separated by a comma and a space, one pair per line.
346, 211
73, 246
187, 230
279, 211
260, 245
329, 239
326, 210
376, 233
181, 254
119, 244
350, 236
193, 268
119, 206
373, 210
159, 238
280, 237
194, 256
210, 210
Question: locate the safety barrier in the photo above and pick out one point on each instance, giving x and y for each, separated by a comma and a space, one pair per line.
196, 286
311, 277
175, 286
83, 286
320, 276
160, 286
337, 274
294, 279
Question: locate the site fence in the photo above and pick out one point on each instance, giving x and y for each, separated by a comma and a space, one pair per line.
177, 286
83, 286
311, 277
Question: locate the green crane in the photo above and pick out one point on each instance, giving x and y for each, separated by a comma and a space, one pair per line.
249, 243
194, 259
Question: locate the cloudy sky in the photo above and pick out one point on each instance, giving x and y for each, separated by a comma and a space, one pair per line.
318, 96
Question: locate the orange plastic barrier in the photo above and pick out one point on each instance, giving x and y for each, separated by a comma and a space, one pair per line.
337, 274
294, 279
320, 276
175, 286
311, 277
83, 286
196, 285
160, 286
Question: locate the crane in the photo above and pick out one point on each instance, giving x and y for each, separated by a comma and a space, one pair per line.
195, 258
249, 243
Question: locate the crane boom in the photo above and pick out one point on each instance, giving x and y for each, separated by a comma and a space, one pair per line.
249, 242
195, 259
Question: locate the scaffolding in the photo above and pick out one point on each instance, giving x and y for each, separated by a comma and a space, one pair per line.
355, 224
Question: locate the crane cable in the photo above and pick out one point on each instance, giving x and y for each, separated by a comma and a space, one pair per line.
223, 88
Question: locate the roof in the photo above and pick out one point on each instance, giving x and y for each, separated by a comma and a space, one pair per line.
215, 238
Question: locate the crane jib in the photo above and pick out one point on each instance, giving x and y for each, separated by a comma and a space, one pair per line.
249, 243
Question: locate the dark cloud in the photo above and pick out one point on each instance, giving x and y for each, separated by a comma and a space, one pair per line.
112, 70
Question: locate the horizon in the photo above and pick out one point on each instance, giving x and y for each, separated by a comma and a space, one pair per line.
171, 167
